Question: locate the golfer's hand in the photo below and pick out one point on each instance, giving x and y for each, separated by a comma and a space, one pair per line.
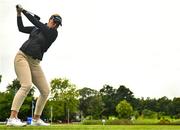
19, 9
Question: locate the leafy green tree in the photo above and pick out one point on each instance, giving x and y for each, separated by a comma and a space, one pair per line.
151, 104
13, 88
149, 114
84, 93
163, 105
85, 98
124, 110
97, 106
175, 107
65, 95
0, 78
5, 105
108, 98
25, 110
89, 97
123, 93
57, 110
138, 105
7, 98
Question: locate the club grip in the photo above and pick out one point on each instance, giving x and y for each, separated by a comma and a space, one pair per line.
18, 6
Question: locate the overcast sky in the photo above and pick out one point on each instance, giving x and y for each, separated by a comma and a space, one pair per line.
135, 43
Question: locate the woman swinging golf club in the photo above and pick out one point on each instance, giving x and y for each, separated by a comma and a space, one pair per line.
27, 64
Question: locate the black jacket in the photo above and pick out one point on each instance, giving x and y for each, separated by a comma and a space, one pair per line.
40, 39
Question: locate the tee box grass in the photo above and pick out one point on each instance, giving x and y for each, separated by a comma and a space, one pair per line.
95, 127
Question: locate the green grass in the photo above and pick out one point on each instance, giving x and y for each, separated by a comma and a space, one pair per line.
95, 127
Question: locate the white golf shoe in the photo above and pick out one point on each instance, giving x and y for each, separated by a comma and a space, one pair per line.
39, 122
15, 122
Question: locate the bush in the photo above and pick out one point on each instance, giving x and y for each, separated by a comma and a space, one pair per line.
92, 122
142, 121
164, 122
119, 122
177, 116
149, 114
175, 122
136, 114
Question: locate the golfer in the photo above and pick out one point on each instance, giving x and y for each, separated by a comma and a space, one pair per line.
27, 64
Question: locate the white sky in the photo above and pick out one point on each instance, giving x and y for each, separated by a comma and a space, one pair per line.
135, 43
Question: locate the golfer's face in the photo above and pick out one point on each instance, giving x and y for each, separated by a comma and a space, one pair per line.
51, 24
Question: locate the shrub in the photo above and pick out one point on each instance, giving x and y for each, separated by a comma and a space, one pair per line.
119, 122
92, 122
164, 122
136, 114
149, 114
175, 122
145, 122
177, 116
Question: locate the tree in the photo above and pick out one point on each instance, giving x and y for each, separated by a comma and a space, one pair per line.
96, 106
7, 98
151, 104
108, 98
0, 78
5, 105
89, 97
65, 95
123, 93
13, 88
84, 93
149, 114
163, 105
124, 110
175, 107
25, 109
85, 97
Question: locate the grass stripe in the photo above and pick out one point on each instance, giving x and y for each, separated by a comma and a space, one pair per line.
95, 127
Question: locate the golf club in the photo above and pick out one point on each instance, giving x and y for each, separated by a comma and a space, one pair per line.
35, 16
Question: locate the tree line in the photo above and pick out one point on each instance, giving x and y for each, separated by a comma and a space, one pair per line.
67, 103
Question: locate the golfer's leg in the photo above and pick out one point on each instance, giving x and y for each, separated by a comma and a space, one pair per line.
24, 75
41, 83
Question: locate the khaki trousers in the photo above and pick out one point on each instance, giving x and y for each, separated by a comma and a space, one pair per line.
28, 71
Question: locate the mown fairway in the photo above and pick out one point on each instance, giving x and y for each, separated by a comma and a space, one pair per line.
95, 127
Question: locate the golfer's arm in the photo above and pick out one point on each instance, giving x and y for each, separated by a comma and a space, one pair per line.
21, 26
36, 22
50, 34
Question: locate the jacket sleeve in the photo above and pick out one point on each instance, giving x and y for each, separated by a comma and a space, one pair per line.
21, 26
44, 28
